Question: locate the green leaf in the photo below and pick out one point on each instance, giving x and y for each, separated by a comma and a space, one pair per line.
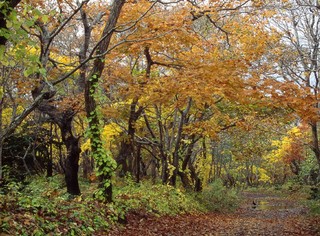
29, 23
107, 184
9, 24
45, 18
28, 72
43, 71
12, 63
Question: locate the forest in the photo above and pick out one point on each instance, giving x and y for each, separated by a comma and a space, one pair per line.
126, 117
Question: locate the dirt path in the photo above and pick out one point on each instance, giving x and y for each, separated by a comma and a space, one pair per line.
272, 215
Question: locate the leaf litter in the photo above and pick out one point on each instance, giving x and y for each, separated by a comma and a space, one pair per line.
270, 215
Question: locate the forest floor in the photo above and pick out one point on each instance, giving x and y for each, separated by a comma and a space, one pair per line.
272, 215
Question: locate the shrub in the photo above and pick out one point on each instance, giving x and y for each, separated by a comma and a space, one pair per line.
158, 199
315, 192
216, 197
314, 207
43, 207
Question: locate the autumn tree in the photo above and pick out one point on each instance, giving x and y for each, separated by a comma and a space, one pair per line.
297, 62
178, 81
39, 71
171, 75
8, 19
104, 162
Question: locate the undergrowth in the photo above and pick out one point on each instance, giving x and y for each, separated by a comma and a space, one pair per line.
156, 199
42, 207
216, 197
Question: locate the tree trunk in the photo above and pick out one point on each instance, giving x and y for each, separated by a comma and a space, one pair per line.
175, 154
1, 164
87, 165
184, 178
106, 166
154, 166
64, 120
50, 161
72, 167
195, 178
1, 142
315, 145
163, 155
137, 165
73, 154
164, 166
50, 166
126, 153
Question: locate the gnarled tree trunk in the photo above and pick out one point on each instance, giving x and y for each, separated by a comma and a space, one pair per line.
73, 154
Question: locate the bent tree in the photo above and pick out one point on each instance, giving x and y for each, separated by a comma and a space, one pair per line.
34, 35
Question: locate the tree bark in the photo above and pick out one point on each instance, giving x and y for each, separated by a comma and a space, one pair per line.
1, 164
127, 150
64, 120
195, 177
71, 164
164, 168
175, 154
73, 154
50, 157
315, 145
184, 178
91, 84
138, 162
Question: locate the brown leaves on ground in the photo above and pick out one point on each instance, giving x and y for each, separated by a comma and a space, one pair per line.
275, 216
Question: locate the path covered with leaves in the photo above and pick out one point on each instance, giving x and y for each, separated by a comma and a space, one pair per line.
272, 215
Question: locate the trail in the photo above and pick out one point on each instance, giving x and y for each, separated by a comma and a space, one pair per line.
272, 215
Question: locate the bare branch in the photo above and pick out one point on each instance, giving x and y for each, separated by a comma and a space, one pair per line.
56, 31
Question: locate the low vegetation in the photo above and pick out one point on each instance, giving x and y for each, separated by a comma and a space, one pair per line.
42, 206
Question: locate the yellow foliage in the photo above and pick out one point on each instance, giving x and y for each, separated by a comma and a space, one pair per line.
276, 163
108, 134
171, 169
8, 113
263, 176
86, 146
203, 167
283, 146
